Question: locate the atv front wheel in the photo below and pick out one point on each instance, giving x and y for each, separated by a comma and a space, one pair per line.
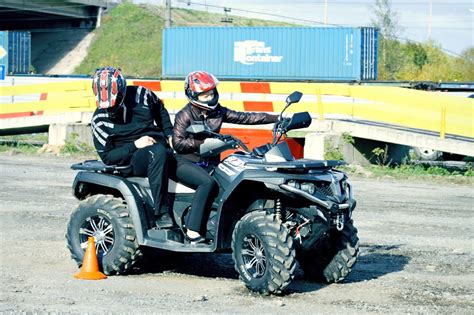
107, 219
332, 258
263, 253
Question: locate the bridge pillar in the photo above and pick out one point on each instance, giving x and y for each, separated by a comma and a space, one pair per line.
59, 133
314, 145
334, 146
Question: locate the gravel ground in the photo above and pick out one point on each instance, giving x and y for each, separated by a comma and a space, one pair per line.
416, 256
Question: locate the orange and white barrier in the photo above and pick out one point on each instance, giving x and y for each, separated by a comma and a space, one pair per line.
431, 111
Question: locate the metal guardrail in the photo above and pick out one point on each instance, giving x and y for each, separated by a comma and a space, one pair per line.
432, 111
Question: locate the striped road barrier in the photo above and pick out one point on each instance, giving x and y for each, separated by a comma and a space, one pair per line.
431, 111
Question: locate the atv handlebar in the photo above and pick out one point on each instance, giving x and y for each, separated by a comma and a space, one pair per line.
281, 127
230, 138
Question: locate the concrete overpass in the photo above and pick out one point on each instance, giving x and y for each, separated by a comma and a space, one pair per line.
35, 15
60, 30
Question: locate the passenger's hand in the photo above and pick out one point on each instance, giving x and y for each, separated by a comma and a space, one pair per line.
170, 142
144, 142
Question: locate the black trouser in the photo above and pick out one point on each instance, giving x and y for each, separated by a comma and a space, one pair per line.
152, 162
196, 178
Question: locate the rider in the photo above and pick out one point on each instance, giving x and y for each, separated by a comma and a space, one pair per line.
200, 88
132, 127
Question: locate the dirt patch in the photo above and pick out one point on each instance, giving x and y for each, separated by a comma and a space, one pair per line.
416, 256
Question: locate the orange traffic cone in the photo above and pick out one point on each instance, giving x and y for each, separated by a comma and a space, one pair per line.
90, 265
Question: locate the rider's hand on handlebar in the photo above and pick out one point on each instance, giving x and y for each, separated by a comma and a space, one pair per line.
226, 137
285, 121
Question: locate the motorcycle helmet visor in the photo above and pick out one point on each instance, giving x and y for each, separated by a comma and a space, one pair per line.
206, 96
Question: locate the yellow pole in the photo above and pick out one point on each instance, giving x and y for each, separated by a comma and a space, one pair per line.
442, 132
320, 105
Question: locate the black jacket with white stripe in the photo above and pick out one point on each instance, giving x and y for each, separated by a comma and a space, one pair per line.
141, 114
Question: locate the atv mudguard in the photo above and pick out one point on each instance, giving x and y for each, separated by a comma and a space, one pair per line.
124, 188
226, 217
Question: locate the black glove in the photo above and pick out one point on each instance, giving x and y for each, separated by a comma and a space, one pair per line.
226, 137
285, 122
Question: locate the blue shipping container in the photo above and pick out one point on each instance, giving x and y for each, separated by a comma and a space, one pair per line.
19, 52
4, 50
272, 53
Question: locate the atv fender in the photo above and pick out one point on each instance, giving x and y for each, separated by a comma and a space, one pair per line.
227, 217
86, 183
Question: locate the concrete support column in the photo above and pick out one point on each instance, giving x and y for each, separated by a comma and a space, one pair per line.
319, 145
314, 145
58, 133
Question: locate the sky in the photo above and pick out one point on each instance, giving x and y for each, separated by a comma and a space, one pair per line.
452, 21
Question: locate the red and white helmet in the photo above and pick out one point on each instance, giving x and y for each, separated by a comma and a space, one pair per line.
198, 82
109, 87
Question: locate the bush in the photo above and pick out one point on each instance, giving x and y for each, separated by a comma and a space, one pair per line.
73, 145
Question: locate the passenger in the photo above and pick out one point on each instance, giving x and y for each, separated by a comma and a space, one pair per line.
132, 127
201, 90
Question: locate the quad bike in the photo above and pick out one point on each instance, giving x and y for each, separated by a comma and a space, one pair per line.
272, 211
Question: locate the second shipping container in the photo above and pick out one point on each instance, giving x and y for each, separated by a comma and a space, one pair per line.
16, 51
272, 53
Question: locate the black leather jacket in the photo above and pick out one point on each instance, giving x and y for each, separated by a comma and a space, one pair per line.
188, 146
143, 114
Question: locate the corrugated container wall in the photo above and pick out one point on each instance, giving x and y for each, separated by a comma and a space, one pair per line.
19, 52
4, 50
272, 53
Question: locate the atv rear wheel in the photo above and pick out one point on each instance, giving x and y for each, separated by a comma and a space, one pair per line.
331, 259
107, 219
263, 253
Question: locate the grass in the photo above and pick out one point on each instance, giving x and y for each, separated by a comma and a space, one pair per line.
26, 143
74, 145
35, 144
19, 149
130, 37
414, 172
31, 137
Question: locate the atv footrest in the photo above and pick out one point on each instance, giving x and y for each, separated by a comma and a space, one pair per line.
166, 235
173, 239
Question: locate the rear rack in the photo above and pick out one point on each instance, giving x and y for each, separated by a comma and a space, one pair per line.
299, 164
98, 166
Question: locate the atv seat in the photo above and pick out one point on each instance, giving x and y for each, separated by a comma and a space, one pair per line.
98, 166
173, 186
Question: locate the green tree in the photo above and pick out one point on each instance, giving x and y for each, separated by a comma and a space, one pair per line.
415, 58
416, 54
465, 65
440, 66
390, 55
386, 20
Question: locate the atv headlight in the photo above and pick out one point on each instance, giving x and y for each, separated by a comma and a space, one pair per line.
310, 188
345, 188
350, 190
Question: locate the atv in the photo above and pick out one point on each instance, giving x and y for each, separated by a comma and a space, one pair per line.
272, 211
